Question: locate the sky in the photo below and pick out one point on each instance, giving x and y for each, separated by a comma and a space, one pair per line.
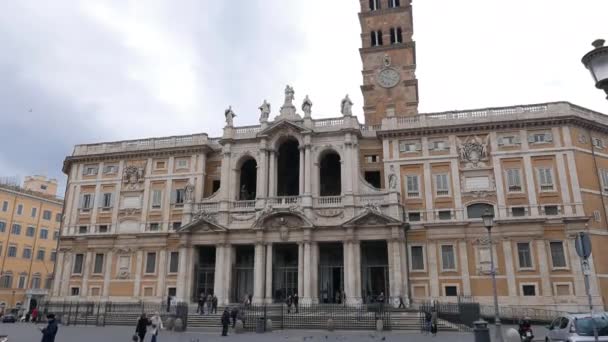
74, 72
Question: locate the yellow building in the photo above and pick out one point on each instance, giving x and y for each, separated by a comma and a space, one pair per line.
30, 217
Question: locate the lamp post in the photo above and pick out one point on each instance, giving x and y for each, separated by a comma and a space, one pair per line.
488, 222
596, 61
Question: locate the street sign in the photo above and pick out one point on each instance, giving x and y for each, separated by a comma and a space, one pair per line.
583, 245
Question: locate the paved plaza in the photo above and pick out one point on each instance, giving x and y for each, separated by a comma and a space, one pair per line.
29, 333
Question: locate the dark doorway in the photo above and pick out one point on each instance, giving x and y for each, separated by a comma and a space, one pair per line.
205, 272
248, 180
331, 272
374, 270
288, 169
285, 271
242, 273
330, 175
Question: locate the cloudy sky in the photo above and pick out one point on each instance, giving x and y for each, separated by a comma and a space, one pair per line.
89, 71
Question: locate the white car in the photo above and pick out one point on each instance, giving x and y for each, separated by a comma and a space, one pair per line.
578, 328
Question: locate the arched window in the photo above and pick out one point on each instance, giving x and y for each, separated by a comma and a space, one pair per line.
476, 210
330, 180
247, 180
288, 169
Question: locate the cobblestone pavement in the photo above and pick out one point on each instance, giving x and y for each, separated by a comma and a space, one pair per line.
29, 333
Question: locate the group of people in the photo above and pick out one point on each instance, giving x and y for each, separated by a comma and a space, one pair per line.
155, 324
210, 301
430, 322
292, 301
229, 315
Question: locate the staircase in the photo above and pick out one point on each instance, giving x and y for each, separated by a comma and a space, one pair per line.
411, 320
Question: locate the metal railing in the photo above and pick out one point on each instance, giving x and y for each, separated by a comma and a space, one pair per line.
461, 314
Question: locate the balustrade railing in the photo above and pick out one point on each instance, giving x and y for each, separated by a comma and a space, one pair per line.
328, 201
247, 129
284, 201
208, 206
329, 122
250, 204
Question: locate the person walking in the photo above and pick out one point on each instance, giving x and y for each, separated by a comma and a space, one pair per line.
289, 301
427, 322
214, 304
233, 314
434, 322
225, 321
208, 300
157, 325
142, 327
34, 314
49, 333
295, 302
401, 303
201, 304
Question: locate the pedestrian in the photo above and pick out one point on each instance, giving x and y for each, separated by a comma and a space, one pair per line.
225, 321
49, 333
401, 303
142, 327
289, 301
233, 314
427, 322
295, 302
157, 325
34, 314
201, 304
214, 304
434, 322
209, 300
169, 303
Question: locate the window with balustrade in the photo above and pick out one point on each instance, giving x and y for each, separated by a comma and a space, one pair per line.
330, 182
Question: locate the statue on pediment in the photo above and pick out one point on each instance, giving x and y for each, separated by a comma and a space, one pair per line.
307, 106
289, 96
264, 111
473, 151
346, 106
229, 114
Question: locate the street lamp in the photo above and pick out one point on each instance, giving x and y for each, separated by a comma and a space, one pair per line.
596, 61
488, 222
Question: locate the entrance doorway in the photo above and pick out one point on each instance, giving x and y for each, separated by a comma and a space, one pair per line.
331, 273
284, 271
205, 272
374, 271
242, 273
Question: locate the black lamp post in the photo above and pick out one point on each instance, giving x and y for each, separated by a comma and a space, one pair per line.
488, 222
596, 61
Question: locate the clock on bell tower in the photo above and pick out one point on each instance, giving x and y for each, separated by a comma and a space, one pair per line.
390, 87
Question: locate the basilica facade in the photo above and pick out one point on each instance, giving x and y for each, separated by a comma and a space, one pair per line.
337, 210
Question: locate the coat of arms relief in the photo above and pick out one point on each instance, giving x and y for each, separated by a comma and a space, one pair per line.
473, 151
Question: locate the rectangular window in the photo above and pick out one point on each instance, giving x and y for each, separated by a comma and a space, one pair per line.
110, 169
409, 146
44, 233
540, 138
374, 5
528, 290
36, 282
75, 291
444, 214
413, 217
551, 210
87, 201
12, 251
182, 163
523, 254
6, 281
179, 196
102, 228
2, 226
58, 217
98, 267
34, 211
417, 254
518, 211
439, 145
157, 197
53, 256
447, 257
19, 209
545, 178
508, 140
40, 255
174, 262
604, 174
159, 165
27, 253
393, 3
441, 184
372, 159
107, 200
83, 230
151, 262
558, 257
5, 206
21, 284
176, 225
46, 215
514, 180
154, 227
48, 283
55, 235
30, 231
412, 188
90, 170
78, 261
451, 291
16, 229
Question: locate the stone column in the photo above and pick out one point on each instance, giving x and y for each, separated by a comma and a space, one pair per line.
300, 269
262, 175
160, 280
306, 299
302, 166
314, 273
272, 179
107, 274
226, 174
138, 266
356, 251
269, 255
67, 272
348, 182
218, 285
258, 274
57, 275
228, 264
181, 275
394, 269
307, 170
349, 278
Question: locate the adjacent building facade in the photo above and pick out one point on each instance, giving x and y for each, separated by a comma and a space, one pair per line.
336, 210
30, 218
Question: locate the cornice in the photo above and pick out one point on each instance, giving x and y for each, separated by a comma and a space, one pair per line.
31, 196
382, 48
385, 11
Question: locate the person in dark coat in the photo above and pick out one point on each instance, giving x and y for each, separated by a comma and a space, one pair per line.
214, 304
289, 301
234, 313
225, 322
142, 327
201, 304
49, 333
295, 302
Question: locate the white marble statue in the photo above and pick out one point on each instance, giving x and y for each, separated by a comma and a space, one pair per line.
392, 179
229, 114
289, 96
264, 111
346, 106
307, 106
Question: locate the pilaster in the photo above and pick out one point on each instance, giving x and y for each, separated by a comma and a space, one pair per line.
107, 274
433, 269
500, 189
138, 267
218, 286
258, 274
509, 267
307, 170
457, 195
563, 183
530, 184
269, 255
428, 192
300, 269
464, 267
272, 179
162, 273
181, 276
84, 291
543, 267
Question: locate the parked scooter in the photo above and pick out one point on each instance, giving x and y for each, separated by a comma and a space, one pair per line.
525, 330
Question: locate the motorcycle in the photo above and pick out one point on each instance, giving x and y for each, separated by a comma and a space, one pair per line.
525, 332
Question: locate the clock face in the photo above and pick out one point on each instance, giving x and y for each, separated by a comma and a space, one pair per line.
388, 78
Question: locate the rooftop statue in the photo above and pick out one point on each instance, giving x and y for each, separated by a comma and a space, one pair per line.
289, 96
307, 106
229, 114
264, 111
346, 106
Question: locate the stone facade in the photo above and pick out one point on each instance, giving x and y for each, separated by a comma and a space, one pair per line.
336, 210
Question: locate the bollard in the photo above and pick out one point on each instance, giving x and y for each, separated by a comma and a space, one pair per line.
330, 324
238, 327
481, 331
269, 325
170, 323
379, 325
178, 325
259, 326
512, 335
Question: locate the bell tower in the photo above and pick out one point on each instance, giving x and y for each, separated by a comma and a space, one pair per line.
388, 53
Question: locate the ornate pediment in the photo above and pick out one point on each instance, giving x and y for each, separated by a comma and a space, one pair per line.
371, 216
203, 222
283, 126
